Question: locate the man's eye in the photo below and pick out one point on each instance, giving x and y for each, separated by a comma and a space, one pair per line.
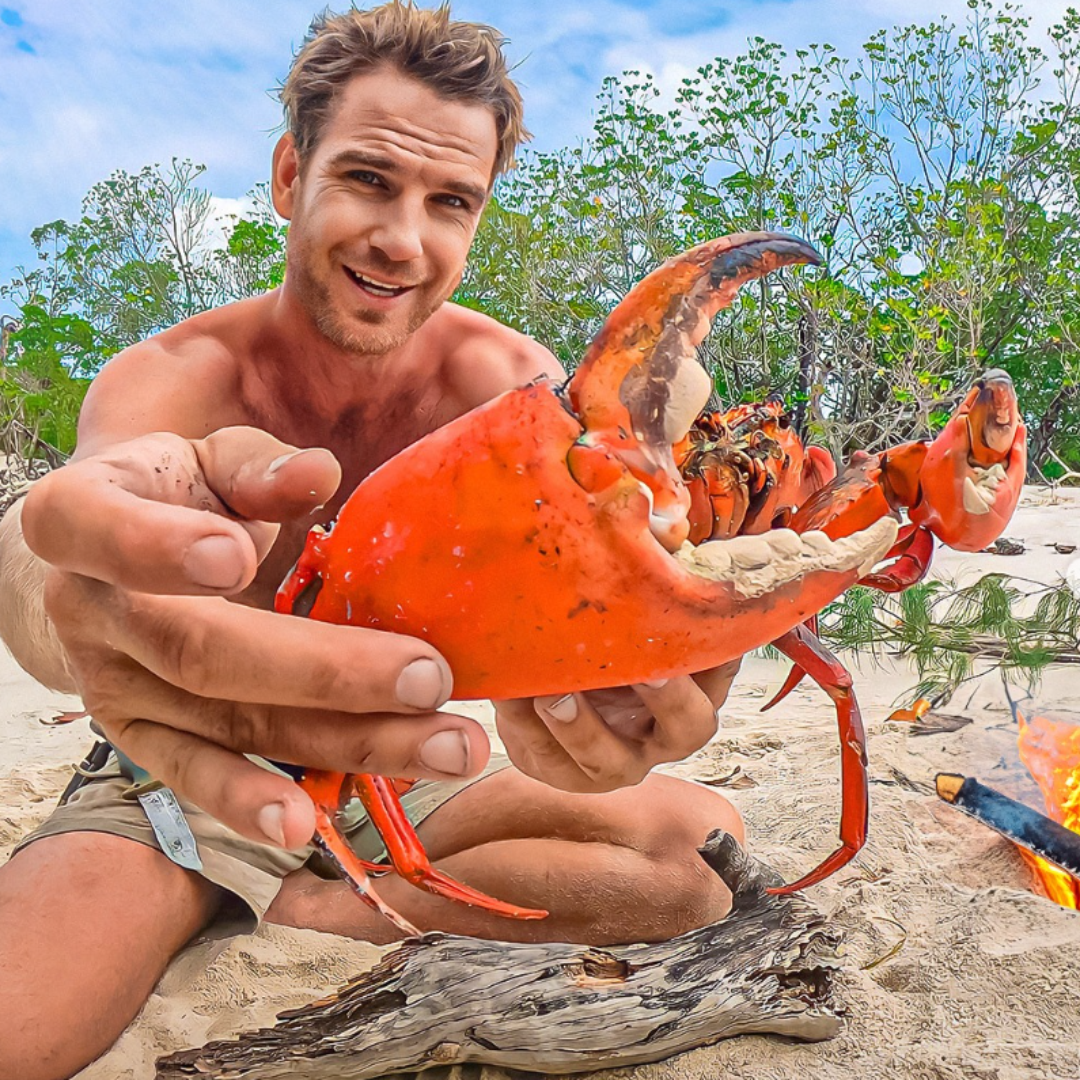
364, 176
456, 201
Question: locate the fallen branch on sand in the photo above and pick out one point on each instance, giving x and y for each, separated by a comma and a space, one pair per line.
441, 1000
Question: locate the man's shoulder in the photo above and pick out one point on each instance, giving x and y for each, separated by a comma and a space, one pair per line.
484, 357
178, 380
218, 332
182, 355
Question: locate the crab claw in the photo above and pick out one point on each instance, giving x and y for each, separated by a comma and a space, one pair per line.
639, 387
974, 470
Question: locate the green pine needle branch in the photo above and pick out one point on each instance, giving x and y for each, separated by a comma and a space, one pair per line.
953, 633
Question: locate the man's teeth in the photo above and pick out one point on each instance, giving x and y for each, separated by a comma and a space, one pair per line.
979, 494
377, 287
756, 565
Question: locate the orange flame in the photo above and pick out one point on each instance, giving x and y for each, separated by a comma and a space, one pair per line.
1051, 751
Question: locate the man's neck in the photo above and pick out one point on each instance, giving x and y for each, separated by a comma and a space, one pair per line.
298, 360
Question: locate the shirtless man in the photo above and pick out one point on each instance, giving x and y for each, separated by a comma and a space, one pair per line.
267, 413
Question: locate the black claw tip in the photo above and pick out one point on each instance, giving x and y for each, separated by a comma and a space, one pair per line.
738, 260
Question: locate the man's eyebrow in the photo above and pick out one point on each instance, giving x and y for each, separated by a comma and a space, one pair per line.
360, 157
384, 164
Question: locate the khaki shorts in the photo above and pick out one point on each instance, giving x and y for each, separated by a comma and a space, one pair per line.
249, 872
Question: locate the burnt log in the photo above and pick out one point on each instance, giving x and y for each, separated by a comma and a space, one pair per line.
441, 1000
1025, 827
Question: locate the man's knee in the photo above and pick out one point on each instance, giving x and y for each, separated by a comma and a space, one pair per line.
671, 817
669, 821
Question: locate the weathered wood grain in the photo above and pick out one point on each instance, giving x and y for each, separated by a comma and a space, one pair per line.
441, 1000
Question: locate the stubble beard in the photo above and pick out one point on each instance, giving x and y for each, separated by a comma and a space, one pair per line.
315, 296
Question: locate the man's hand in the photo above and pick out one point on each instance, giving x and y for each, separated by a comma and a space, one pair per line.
606, 739
144, 541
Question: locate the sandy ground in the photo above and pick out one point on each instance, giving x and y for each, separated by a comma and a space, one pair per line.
985, 982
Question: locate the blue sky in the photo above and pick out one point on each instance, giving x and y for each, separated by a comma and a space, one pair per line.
97, 85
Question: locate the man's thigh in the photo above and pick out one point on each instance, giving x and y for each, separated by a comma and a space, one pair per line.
248, 873
88, 923
650, 817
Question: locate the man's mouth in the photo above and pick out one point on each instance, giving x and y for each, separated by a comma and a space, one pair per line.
375, 287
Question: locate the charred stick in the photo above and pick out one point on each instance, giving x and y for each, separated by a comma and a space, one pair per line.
1016, 822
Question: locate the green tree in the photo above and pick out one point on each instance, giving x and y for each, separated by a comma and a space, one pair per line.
937, 172
140, 258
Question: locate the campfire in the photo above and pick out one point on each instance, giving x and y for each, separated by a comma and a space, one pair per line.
1050, 841
1051, 751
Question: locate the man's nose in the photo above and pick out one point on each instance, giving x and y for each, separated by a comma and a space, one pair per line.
397, 234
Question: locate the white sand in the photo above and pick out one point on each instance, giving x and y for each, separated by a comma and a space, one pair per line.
986, 983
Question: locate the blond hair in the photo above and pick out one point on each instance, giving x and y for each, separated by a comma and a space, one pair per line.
461, 61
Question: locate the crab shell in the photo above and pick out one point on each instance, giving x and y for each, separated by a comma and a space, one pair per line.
479, 540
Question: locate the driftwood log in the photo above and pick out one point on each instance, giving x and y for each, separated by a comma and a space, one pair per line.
441, 1000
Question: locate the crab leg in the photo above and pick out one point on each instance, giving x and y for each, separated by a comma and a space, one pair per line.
802, 647
407, 856
325, 789
915, 548
795, 675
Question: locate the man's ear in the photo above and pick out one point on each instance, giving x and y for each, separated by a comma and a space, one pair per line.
285, 172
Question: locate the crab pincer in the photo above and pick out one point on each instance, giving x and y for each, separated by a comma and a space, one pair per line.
540, 541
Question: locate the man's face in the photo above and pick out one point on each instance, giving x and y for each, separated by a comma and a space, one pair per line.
385, 209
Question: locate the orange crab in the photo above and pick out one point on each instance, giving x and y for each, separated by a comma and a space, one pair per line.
547, 540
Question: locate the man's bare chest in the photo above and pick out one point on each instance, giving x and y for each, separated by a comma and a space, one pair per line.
362, 437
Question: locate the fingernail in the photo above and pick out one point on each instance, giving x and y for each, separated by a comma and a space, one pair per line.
446, 752
271, 822
422, 685
653, 684
214, 562
564, 710
279, 461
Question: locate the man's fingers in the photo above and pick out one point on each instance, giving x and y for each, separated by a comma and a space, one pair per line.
716, 682
133, 516
259, 804
604, 739
262, 478
221, 650
604, 756
84, 519
432, 745
533, 751
686, 719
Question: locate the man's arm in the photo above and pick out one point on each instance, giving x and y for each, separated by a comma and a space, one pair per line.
24, 627
143, 540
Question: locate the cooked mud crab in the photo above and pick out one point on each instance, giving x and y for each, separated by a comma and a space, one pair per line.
549, 540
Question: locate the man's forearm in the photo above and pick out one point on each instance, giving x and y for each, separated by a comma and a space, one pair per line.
24, 627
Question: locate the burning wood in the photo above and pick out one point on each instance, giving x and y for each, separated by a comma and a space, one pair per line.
1025, 827
1051, 751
